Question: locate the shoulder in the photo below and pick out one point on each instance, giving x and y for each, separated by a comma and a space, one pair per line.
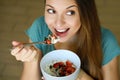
106, 33
39, 21
38, 30
110, 45
39, 26
108, 38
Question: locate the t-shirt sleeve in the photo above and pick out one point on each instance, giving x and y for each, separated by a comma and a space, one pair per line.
110, 46
36, 31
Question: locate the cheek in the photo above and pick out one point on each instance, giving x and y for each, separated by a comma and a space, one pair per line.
49, 23
48, 20
76, 24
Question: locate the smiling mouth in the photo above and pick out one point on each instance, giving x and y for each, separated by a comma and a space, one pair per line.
61, 32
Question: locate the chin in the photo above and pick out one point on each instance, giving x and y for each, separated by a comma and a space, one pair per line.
62, 40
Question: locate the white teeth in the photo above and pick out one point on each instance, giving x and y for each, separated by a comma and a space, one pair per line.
61, 30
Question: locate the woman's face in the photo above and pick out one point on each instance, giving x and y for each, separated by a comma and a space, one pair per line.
62, 18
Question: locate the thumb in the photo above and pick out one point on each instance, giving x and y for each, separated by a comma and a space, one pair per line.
15, 43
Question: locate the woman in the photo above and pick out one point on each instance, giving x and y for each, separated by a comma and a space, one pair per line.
76, 23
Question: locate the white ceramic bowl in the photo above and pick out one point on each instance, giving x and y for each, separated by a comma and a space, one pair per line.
60, 55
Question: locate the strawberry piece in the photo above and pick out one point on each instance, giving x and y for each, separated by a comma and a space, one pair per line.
70, 70
68, 63
58, 64
62, 72
48, 41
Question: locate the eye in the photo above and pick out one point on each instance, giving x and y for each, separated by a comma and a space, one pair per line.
70, 13
51, 11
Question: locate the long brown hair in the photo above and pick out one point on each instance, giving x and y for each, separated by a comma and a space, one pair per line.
89, 37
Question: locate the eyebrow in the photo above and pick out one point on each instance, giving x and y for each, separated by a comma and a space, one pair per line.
66, 8
49, 5
71, 6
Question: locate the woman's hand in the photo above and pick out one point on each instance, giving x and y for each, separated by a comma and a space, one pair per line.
31, 57
24, 54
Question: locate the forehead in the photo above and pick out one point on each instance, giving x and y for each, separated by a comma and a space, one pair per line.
61, 2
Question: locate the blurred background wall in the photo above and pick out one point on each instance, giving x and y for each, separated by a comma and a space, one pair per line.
17, 15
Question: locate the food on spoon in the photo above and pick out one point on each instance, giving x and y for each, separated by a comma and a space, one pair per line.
48, 41
52, 39
61, 68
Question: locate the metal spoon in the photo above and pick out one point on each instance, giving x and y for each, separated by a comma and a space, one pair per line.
49, 40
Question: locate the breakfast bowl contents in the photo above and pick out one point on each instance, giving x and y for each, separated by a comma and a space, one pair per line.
60, 65
60, 68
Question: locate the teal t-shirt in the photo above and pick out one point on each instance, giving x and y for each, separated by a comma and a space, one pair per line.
39, 30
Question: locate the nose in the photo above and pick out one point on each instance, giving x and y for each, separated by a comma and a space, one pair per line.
59, 21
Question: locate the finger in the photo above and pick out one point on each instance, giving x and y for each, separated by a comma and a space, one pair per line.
15, 43
16, 50
20, 54
32, 56
24, 56
27, 55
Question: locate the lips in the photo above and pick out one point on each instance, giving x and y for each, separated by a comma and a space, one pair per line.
61, 32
